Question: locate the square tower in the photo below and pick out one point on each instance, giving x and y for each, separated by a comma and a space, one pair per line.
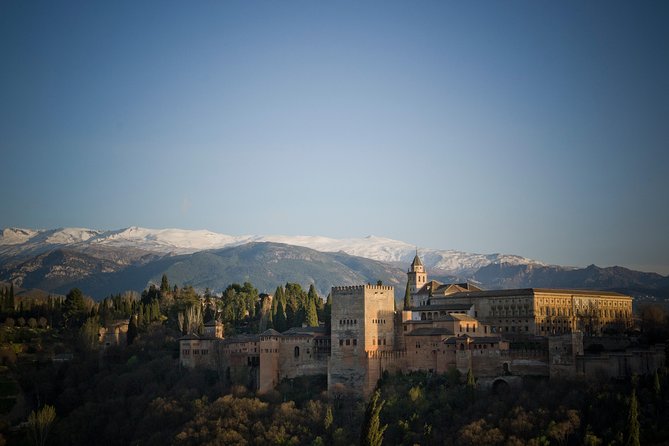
363, 322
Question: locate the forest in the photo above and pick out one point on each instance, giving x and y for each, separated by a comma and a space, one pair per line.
57, 387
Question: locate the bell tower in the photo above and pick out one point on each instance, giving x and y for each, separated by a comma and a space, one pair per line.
417, 276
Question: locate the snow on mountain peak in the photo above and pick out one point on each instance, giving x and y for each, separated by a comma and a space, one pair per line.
182, 241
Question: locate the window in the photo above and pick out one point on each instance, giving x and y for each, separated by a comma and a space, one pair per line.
341, 342
297, 352
348, 342
355, 342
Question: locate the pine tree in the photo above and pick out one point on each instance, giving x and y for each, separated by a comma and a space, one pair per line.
311, 317
372, 431
74, 308
633, 437
407, 298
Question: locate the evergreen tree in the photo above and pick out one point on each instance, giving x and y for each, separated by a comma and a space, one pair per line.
372, 431
327, 424
407, 298
280, 319
164, 284
312, 295
10, 299
327, 311
39, 424
311, 317
74, 308
633, 434
140, 317
471, 382
278, 297
132, 331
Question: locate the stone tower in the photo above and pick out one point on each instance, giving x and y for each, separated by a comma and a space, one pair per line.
417, 276
363, 325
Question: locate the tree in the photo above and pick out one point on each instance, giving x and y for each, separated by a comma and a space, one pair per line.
10, 299
39, 424
74, 308
327, 312
633, 437
164, 284
132, 331
280, 319
329, 419
372, 431
89, 334
312, 295
311, 317
407, 298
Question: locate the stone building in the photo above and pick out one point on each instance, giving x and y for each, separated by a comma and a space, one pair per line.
496, 334
535, 311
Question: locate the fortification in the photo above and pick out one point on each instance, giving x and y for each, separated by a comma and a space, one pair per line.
362, 322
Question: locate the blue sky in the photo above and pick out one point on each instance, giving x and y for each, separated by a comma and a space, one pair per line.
524, 127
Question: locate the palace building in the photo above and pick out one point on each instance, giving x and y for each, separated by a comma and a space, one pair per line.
497, 334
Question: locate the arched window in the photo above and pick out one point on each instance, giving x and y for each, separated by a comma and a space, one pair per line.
297, 352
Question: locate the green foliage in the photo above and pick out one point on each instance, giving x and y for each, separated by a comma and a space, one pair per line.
74, 308
132, 331
280, 319
89, 334
39, 424
311, 319
164, 284
633, 428
372, 431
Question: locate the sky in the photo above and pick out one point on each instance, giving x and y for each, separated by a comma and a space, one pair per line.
524, 127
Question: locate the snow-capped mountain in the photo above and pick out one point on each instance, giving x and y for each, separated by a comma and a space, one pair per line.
20, 242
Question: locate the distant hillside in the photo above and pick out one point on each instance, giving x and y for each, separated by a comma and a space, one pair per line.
615, 278
17, 243
266, 265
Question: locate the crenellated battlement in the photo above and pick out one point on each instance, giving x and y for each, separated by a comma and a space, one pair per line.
363, 287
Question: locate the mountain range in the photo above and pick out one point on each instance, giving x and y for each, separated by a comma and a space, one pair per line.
106, 262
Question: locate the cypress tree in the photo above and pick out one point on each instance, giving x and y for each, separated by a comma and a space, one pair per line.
633, 435
164, 284
311, 317
372, 431
327, 312
407, 298
280, 319
312, 296
132, 331
140, 317
10, 300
